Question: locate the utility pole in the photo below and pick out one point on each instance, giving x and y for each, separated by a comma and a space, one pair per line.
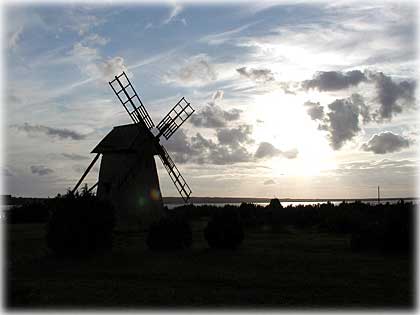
379, 196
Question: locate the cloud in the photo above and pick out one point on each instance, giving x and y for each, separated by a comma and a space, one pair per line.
180, 147
7, 172
334, 80
14, 37
40, 170
91, 63
195, 71
290, 154
315, 110
49, 131
74, 156
82, 168
218, 95
386, 142
82, 23
267, 150
199, 150
392, 96
95, 39
148, 25
359, 101
342, 122
233, 137
220, 38
110, 68
213, 116
269, 182
175, 11
257, 75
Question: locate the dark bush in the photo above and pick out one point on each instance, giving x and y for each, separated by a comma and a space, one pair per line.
30, 212
80, 225
224, 230
170, 233
275, 204
391, 232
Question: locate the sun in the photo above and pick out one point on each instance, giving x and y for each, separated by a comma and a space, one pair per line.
282, 120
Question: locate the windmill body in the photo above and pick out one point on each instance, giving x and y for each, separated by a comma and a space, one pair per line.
128, 177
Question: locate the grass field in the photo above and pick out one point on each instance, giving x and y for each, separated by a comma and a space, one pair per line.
292, 269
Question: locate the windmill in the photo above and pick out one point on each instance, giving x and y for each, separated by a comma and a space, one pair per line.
128, 176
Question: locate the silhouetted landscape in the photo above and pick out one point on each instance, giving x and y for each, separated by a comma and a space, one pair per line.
244, 155
350, 256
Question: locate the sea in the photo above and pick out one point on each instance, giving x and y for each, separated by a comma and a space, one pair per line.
288, 203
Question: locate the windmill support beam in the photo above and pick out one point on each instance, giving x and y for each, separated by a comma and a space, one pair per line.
93, 187
85, 173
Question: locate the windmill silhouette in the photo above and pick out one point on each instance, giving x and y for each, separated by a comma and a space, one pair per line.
128, 176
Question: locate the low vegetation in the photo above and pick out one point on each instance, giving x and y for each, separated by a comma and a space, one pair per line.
224, 230
170, 233
384, 227
79, 225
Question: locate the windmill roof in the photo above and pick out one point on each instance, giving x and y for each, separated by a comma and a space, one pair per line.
121, 138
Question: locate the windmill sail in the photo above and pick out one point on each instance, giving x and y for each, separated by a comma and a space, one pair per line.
126, 94
179, 181
175, 118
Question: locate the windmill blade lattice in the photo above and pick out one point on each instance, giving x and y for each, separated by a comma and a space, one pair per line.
126, 94
175, 118
178, 180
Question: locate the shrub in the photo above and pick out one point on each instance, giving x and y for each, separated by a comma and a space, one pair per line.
391, 232
79, 225
224, 230
170, 233
31, 212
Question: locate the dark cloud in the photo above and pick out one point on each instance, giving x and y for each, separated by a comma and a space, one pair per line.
386, 142
269, 182
49, 131
334, 80
392, 96
227, 155
40, 170
235, 136
74, 157
213, 116
200, 150
228, 149
267, 150
315, 110
342, 122
258, 75
180, 147
206, 151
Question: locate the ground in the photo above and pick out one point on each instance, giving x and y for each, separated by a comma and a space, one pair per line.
291, 269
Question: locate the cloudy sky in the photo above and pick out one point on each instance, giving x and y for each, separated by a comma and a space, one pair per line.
307, 100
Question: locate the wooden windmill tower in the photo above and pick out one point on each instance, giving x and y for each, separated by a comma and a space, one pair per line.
128, 176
